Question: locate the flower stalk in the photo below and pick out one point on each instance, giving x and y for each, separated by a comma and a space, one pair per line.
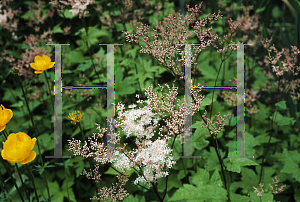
13, 180
23, 185
37, 142
5, 187
90, 162
32, 180
50, 94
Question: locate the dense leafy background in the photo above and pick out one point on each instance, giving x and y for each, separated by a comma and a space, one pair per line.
190, 179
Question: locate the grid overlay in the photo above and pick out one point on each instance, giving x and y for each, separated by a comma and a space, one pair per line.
188, 150
240, 138
58, 100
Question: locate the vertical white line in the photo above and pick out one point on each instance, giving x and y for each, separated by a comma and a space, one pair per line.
188, 148
57, 105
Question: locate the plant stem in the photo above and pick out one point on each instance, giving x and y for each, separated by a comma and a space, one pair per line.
5, 187
90, 162
52, 102
65, 167
35, 131
23, 185
156, 191
14, 182
32, 180
272, 131
87, 45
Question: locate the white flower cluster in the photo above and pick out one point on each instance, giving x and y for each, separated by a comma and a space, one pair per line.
79, 7
155, 158
3, 18
134, 121
122, 162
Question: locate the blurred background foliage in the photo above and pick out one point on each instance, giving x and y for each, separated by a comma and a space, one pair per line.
84, 64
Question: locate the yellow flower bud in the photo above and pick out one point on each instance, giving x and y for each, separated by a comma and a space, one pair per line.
5, 116
17, 148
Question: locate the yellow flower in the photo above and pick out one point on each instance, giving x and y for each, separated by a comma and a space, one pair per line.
17, 148
75, 117
5, 116
41, 64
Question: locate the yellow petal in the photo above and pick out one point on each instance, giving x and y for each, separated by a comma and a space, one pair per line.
33, 140
2, 127
46, 58
40, 64
37, 58
30, 158
17, 148
6, 156
11, 148
7, 115
33, 66
50, 65
25, 143
3, 154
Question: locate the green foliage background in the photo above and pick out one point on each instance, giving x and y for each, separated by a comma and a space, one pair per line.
190, 180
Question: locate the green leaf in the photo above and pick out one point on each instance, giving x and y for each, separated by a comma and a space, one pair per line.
250, 143
77, 131
276, 12
67, 71
208, 100
111, 171
209, 73
212, 159
290, 160
230, 120
283, 121
127, 62
68, 14
44, 139
84, 66
93, 34
40, 169
132, 198
259, 10
66, 163
27, 16
67, 185
173, 182
235, 164
157, 69
199, 141
124, 87
248, 180
79, 166
119, 27
75, 57
61, 192
57, 28
216, 179
18, 104
205, 189
182, 175
281, 105
132, 52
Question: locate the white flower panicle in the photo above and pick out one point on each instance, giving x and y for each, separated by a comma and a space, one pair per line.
153, 158
133, 121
